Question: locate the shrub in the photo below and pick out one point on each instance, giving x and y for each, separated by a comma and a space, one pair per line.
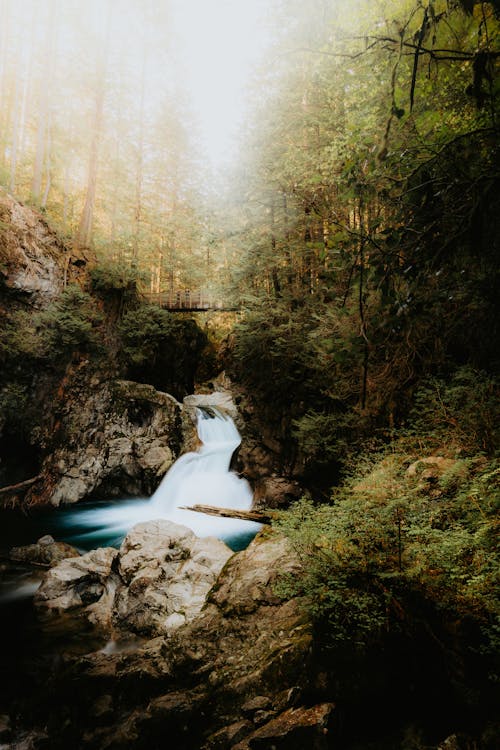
113, 276
389, 538
68, 324
161, 348
466, 409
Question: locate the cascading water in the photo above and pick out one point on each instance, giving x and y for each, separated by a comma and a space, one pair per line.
199, 477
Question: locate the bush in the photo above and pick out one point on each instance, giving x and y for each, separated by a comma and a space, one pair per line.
161, 348
109, 277
68, 324
465, 409
390, 538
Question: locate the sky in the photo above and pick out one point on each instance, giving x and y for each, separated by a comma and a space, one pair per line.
219, 43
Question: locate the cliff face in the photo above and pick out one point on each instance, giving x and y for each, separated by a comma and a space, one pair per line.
68, 419
34, 263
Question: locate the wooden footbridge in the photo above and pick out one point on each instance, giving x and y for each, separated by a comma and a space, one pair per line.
185, 300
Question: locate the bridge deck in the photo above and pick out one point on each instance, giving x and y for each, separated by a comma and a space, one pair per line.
187, 301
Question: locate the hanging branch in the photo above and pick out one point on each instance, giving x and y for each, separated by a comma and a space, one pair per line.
420, 40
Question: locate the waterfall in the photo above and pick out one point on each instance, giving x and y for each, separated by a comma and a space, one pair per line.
198, 477
203, 476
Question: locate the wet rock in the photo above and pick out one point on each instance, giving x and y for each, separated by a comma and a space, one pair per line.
46, 551
294, 729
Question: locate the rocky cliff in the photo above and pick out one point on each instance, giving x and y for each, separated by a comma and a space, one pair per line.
35, 264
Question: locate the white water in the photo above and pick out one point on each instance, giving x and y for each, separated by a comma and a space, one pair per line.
198, 477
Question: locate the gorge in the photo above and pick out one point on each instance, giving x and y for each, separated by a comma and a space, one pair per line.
249, 395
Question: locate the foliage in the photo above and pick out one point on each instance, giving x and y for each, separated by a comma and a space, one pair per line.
162, 348
391, 537
110, 276
15, 408
68, 324
367, 245
54, 334
465, 408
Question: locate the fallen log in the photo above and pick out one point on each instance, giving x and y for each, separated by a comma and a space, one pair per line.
243, 515
19, 485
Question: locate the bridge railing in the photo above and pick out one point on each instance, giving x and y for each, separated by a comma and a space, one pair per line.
185, 299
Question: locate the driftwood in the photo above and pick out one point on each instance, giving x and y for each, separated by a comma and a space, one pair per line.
19, 485
244, 515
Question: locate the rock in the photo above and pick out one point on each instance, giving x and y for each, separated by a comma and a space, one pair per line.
454, 742
167, 573
276, 492
221, 399
5, 728
30, 741
103, 708
119, 441
258, 703
154, 584
242, 653
431, 466
230, 735
33, 261
262, 717
85, 581
46, 551
294, 729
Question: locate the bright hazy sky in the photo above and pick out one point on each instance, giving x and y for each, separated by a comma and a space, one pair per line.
219, 42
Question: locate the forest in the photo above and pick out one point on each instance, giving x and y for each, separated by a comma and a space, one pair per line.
336, 258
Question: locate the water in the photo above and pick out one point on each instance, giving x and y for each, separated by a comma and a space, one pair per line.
202, 476
198, 477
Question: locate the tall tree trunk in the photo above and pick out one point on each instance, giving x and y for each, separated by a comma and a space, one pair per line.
28, 83
44, 109
140, 164
4, 83
84, 237
15, 131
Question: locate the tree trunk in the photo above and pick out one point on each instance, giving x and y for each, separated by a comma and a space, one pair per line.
87, 218
44, 111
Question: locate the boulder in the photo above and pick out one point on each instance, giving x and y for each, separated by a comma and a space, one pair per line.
118, 442
228, 674
86, 582
167, 573
155, 583
46, 552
